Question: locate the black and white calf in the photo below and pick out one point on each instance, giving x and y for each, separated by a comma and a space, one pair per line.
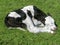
32, 18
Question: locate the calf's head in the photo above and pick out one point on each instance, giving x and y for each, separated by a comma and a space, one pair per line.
49, 21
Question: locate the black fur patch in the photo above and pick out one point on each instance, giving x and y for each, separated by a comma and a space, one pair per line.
29, 13
21, 13
56, 24
39, 14
14, 22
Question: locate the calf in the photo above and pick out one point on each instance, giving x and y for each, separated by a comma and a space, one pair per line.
31, 18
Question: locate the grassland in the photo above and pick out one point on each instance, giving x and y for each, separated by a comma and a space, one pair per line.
18, 37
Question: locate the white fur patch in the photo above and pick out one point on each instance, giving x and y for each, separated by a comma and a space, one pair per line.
30, 8
14, 14
17, 28
50, 22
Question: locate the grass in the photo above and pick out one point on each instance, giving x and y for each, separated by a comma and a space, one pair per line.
18, 37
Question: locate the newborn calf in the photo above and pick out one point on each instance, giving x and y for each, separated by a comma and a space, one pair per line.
31, 18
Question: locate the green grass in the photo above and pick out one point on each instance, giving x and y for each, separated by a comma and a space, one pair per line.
18, 37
